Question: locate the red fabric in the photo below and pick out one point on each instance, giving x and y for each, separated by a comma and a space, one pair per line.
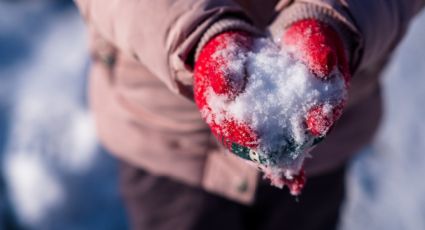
313, 42
319, 120
321, 49
210, 72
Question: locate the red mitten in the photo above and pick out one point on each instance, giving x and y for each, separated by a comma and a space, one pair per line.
279, 125
319, 46
220, 67
215, 70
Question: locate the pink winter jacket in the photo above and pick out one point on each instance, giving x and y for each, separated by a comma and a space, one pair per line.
141, 79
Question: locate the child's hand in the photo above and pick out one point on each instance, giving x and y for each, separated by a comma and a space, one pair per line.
215, 70
321, 49
271, 104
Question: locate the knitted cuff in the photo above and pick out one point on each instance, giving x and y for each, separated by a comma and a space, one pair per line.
341, 23
223, 25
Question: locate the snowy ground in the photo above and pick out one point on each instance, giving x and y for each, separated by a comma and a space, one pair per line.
386, 188
55, 176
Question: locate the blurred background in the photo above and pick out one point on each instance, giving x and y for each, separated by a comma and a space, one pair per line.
54, 175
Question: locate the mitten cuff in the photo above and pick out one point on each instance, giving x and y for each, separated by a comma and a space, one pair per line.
341, 23
223, 25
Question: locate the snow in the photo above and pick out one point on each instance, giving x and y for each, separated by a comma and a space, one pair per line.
55, 174
385, 183
279, 92
29, 172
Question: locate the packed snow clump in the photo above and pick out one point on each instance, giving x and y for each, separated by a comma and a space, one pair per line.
277, 92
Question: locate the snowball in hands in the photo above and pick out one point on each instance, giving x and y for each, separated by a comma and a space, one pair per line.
277, 94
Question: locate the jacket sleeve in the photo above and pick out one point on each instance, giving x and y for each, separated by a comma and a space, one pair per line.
163, 34
370, 28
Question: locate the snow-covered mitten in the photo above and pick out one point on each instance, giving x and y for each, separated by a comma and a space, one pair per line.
271, 103
218, 72
220, 76
320, 47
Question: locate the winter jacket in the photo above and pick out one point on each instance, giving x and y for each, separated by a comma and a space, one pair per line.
141, 79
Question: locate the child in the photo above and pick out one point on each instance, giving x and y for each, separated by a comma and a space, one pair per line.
147, 55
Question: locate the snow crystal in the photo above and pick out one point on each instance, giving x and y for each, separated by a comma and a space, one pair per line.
279, 92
